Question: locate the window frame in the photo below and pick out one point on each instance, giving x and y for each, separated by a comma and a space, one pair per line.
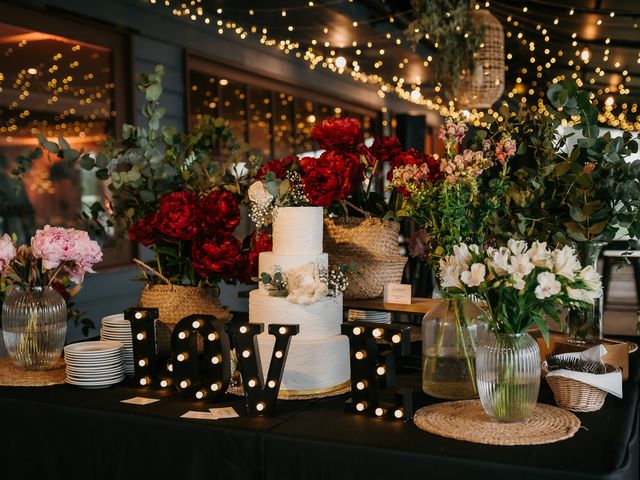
209, 65
118, 41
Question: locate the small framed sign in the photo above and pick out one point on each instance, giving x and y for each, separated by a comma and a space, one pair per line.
397, 293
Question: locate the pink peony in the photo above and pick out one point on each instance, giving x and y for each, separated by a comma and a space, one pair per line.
55, 245
7, 252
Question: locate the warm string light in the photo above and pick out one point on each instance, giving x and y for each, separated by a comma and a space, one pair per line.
340, 64
581, 72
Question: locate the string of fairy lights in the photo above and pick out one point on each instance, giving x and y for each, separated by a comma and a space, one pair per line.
73, 85
310, 44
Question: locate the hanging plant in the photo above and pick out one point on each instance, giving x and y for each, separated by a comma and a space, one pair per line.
448, 24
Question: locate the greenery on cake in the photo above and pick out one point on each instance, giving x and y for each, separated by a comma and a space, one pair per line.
307, 283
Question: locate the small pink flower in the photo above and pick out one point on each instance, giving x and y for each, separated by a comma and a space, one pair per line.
7, 252
55, 245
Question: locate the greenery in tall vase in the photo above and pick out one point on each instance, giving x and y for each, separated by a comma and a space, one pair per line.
570, 182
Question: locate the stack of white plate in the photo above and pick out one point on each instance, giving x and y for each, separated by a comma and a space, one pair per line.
94, 364
369, 316
116, 328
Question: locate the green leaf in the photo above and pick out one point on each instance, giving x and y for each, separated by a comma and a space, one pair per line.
102, 160
102, 174
63, 143
87, 162
576, 214
153, 92
70, 155
51, 147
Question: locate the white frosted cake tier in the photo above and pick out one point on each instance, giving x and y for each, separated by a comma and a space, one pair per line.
298, 231
312, 365
317, 320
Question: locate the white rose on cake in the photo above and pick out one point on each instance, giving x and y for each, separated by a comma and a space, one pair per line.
304, 284
259, 194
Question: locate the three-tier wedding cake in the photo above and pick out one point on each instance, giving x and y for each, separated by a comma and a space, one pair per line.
318, 360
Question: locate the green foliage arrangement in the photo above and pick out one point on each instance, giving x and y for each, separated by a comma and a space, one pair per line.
155, 160
569, 182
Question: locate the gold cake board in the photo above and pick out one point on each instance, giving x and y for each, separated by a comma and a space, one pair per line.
333, 391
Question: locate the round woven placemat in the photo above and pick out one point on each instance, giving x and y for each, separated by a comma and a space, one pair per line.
12, 376
466, 420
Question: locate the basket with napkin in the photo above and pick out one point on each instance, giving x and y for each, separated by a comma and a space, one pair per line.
580, 381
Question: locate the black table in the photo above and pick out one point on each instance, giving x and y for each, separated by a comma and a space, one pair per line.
68, 433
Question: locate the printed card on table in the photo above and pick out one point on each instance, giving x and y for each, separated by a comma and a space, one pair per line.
140, 400
397, 293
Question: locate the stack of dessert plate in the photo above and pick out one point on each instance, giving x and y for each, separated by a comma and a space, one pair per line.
369, 316
116, 328
94, 364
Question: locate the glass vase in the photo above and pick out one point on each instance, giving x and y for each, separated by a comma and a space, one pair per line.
586, 326
508, 370
450, 334
34, 322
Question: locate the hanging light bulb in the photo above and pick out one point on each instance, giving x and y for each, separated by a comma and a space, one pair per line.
341, 62
585, 55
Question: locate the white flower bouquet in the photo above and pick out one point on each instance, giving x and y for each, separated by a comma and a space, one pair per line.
520, 283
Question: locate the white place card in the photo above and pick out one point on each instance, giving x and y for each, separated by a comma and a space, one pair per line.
140, 400
224, 412
397, 293
198, 415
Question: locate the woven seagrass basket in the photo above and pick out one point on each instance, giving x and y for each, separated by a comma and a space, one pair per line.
174, 302
370, 243
574, 395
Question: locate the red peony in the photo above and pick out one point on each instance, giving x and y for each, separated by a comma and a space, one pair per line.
218, 255
278, 167
332, 176
220, 211
145, 230
337, 133
180, 215
413, 157
384, 149
258, 243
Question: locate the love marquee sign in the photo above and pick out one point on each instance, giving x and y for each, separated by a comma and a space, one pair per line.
208, 377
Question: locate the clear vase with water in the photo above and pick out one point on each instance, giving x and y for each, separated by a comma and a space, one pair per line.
508, 373
34, 326
450, 334
586, 325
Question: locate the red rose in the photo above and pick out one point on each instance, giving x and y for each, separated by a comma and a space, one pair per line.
278, 167
384, 149
180, 215
145, 230
259, 242
220, 211
365, 153
332, 176
218, 255
413, 157
337, 133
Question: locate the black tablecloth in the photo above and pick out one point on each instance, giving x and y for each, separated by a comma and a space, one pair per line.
67, 433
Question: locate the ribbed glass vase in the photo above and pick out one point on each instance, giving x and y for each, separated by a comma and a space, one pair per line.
508, 374
34, 323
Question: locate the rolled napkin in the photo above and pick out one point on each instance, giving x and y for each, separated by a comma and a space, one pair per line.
608, 382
